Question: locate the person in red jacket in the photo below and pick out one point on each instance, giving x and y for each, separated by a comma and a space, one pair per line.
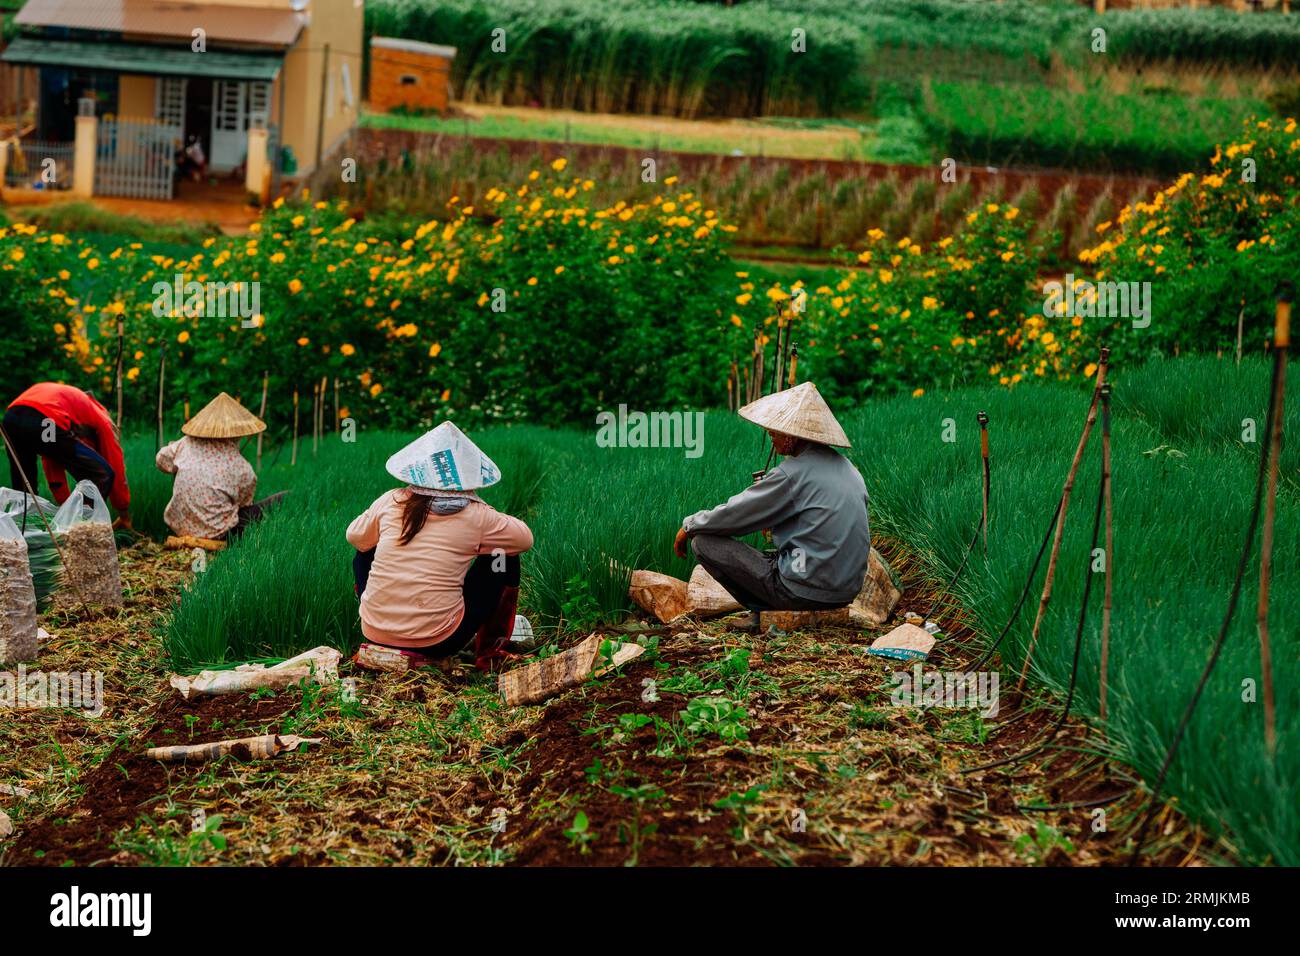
73, 434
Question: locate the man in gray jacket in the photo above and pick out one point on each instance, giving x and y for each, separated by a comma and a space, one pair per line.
814, 503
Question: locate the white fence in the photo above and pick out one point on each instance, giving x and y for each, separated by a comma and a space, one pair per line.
136, 158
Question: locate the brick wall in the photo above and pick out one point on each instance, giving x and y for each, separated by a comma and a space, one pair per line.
418, 81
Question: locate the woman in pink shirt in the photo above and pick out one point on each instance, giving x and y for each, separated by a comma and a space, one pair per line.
436, 566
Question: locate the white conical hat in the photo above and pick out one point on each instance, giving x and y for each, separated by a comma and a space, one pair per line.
444, 459
798, 411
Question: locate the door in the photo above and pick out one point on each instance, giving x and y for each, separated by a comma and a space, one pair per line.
229, 124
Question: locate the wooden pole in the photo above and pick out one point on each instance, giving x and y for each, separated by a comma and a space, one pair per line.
1281, 342
187, 410
794, 365
1241, 318
983, 420
162, 366
336, 404
121, 341
324, 389
315, 414
266, 381
1110, 544
293, 459
1060, 521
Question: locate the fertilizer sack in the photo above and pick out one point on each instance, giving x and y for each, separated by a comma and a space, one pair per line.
32, 513
17, 597
85, 532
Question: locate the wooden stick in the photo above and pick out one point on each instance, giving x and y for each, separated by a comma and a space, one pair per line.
794, 365
187, 410
983, 420
324, 388
1060, 521
336, 404
121, 340
315, 413
1241, 318
1281, 342
1110, 544
293, 460
162, 365
266, 381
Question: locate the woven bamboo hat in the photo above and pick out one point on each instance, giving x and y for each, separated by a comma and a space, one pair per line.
444, 459
223, 417
798, 411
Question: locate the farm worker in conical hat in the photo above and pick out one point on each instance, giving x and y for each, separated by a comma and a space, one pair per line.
815, 504
213, 493
437, 567
72, 434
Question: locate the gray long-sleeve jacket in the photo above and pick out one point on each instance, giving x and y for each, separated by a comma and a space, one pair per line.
816, 505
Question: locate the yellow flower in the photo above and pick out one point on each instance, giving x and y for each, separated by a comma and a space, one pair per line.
304, 340
347, 349
886, 276
736, 320
295, 286
559, 164
92, 263
559, 270
930, 302
1089, 369
434, 349
375, 389
446, 394
132, 374
183, 337
532, 280
918, 393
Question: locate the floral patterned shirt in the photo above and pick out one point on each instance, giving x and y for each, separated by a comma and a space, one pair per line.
213, 481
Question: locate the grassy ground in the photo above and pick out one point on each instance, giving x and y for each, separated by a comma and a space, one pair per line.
828, 139
817, 768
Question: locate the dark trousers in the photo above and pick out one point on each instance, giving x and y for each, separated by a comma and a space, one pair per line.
483, 589
27, 433
751, 576
254, 512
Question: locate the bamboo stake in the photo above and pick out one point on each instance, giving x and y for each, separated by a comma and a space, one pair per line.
266, 381
794, 365
324, 388
336, 404
315, 414
293, 459
162, 365
187, 411
121, 340
1110, 543
1281, 342
1060, 521
983, 420
1241, 319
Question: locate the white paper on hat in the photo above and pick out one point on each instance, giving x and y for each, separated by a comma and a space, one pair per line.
445, 459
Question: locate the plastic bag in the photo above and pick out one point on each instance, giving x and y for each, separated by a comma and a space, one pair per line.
84, 528
31, 514
17, 597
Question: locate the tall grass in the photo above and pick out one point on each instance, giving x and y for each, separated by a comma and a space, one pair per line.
1182, 493
286, 585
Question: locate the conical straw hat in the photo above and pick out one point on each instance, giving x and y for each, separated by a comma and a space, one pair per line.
798, 411
223, 417
445, 460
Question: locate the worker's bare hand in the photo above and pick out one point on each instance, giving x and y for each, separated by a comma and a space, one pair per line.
679, 543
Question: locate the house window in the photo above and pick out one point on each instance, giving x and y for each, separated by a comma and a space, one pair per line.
408, 79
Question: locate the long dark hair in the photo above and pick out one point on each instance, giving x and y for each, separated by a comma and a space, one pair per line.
415, 512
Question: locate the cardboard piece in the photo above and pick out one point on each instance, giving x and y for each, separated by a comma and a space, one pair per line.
535, 682
377, 657
186, 542
659, 594
6, 827
255, 748
907, 642
320, 664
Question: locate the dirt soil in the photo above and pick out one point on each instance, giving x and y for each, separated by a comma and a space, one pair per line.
816, 767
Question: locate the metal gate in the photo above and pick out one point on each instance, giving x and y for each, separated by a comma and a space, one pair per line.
136, 158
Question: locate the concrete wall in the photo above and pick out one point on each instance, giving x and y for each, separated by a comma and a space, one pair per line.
136, 96
338, 23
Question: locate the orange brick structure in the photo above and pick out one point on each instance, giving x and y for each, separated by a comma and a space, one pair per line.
409, 74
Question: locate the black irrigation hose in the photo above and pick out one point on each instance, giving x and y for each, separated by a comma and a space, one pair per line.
1078, 640
1024, 594
1246, 548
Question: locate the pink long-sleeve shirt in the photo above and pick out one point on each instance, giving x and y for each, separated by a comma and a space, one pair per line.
414, 596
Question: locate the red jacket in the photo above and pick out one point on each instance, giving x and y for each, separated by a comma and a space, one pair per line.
73, 410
